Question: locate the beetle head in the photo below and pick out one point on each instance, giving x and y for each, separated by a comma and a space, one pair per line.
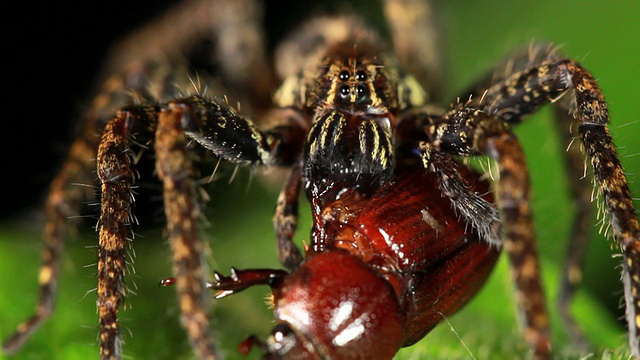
335, 307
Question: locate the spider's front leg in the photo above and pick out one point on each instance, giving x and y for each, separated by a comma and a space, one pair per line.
116, 177
545, 80
214, 126
475, 210
175, 170
63, 202
223, 131
470, 132
480, 127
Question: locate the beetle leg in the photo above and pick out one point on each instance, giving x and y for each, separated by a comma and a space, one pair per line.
244, 279
249, 343
239, 280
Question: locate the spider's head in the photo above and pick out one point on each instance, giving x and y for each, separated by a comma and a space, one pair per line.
357, 77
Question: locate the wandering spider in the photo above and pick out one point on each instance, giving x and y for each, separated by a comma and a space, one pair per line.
218, 255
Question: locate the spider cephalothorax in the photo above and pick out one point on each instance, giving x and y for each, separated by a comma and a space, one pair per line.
403, 232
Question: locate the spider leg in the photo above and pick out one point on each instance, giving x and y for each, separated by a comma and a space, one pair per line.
478, 212
63, 202
221, 130
115, 172
183, 213
216, 127
469, 132
148, 66
545, 80
581, 193
285, 218
474, 209
612, 184
65, 198
415, 33
580, 189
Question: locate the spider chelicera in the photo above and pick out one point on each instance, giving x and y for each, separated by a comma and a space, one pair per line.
370, 89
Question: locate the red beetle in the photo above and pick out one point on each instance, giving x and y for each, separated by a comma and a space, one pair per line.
393, 266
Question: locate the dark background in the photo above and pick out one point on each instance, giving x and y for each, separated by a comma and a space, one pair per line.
52, 54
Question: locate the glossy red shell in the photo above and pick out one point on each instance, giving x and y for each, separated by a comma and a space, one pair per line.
402, 257
341, 307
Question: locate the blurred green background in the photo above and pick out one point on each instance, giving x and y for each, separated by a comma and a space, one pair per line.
603, 36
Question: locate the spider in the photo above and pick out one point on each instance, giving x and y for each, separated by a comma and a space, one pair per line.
113, 105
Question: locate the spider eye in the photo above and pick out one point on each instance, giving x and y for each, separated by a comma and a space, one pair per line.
344, 75
360, 90
344, 91
361, 75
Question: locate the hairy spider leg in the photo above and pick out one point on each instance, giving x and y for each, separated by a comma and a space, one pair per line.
474, 128
175, 170
580, 189
184, 25
478, 212
228, 135
285, 218
523, 93
63, 202
469, 132
116, 175
415, 31
217, 128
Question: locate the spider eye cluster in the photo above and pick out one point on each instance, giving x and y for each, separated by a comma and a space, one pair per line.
352, 88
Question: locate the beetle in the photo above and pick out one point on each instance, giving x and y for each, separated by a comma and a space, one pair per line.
392, 267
